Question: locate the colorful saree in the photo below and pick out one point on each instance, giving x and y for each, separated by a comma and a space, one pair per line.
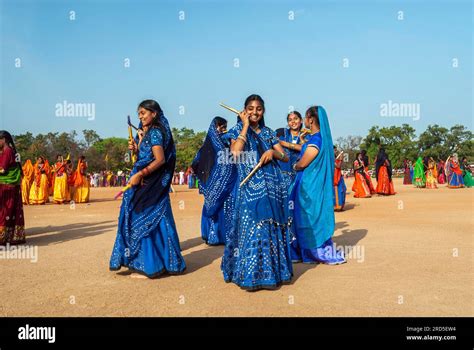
12, 221
441, 174
419, 174
454, 175
28, 172
339, 189
61, 188
80, 183
39, 192
407, 172
467, 175
431, 175
383, 170
361, 186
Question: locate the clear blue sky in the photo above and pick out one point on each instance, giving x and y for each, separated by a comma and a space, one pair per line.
190, 63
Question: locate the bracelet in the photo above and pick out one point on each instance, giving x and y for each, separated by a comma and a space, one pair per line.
292, 146
282, 155
243, 138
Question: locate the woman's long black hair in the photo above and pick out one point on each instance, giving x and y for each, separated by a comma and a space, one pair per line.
381, 158
9, 141
153, 189
258, 98
153, 106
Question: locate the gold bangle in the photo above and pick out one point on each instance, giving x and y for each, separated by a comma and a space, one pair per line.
243, 138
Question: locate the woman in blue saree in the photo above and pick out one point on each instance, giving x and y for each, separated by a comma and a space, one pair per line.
291, 139
216, 180
147, 241
257, 255
312, 195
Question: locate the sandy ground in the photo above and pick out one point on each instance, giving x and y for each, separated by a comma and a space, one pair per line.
411, 255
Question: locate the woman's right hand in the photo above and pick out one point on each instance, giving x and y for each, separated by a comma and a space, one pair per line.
132, 146
244, 116
140, 134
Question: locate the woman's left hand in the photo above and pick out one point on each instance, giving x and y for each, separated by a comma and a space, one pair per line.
135, 180
267, 157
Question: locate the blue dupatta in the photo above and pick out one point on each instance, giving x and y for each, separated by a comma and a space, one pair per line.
312, 192
216, 177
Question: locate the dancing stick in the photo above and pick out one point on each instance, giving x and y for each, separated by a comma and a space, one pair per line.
130, 137
259, 165
123, 190
446, 164
254, 170
130, 123
229, 108
134, 156
340, 154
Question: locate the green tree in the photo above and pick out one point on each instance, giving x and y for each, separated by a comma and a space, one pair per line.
187, 144
90, 136
398, 141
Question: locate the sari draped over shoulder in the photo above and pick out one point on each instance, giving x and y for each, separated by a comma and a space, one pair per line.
80, 183
419, 174
431, 175
39, 191
257, 254
61, 188
217, 176
12, 221
26, 181
312, 197
384, 175
454, 175
147, 241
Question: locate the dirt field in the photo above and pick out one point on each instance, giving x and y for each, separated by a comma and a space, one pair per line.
414, 258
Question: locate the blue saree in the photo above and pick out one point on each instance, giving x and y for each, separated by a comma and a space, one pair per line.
312, 197
289, 174
216, 181
147, 241
257, 255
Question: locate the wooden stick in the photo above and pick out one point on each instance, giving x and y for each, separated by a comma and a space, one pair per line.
130, 123
305, 131
126, 188
254, 170
229, 108
445, 164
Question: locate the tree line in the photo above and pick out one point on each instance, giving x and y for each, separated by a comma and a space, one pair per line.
111, 153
